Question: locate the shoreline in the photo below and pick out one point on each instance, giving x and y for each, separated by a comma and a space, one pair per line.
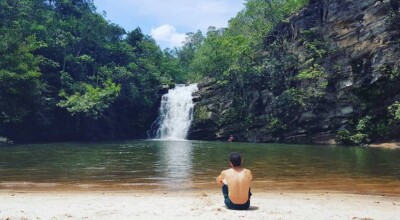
345, 186
207, 204
387, 187
386, 145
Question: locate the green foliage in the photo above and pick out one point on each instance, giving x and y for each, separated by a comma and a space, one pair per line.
229, 55
313, 77
312, 73
383, 130
93, 101
227, 117
359, 139
392, 71
260, 16
395, 74
248, 121
393, 17
316, 48
276, 125
65, 60
238, 59
394, 111
345, 137
64, 47
187, 54
20, 85
291, 98
200, 114
364, 130
364, 124
220, 56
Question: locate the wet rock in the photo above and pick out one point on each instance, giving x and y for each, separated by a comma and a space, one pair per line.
4, 141
164, 89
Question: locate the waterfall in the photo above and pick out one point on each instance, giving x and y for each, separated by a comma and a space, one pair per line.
176, 113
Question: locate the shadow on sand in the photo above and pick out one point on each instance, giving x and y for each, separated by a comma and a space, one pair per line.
253, 208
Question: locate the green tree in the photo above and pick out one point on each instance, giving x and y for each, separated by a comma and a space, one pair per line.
20, 85
92, 101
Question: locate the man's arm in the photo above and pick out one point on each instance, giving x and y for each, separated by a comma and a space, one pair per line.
220, 178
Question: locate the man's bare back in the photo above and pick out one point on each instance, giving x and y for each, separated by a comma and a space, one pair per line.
238, 180
236, 184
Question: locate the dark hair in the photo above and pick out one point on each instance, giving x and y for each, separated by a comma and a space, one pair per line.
235, 159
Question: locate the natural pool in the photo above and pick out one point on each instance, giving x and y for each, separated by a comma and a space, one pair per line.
192, 165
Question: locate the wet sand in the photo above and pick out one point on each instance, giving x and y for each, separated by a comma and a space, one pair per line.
373, 186
205, 204
389, 145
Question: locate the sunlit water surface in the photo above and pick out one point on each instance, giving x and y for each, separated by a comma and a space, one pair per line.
193, 165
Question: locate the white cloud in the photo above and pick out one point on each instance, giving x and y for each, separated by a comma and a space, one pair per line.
166, 34
183, 15
197, 14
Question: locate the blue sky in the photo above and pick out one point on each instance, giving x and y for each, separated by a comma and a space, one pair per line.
167, 21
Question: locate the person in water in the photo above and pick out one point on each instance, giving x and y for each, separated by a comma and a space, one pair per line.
235, 184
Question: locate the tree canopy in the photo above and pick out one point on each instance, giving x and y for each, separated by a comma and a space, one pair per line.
66, 71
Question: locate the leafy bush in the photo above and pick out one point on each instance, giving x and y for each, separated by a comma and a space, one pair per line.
345, 137
93, 101
392, 71
394, 111
364, 124
316, 48
359, 139
276, 125
200, 114
312, 73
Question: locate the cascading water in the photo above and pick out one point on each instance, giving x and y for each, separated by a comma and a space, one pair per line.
176, 113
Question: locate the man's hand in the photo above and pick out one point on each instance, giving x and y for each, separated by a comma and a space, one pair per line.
221, 178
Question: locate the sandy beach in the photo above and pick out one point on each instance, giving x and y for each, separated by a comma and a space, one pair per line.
193, 205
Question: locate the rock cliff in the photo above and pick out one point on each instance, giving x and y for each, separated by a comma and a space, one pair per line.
356, 44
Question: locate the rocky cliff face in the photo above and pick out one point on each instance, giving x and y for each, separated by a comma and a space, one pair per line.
361, 59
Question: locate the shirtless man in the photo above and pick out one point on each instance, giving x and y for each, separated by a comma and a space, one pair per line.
238, 179
230, 139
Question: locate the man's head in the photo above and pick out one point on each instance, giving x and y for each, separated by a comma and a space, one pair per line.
235, 159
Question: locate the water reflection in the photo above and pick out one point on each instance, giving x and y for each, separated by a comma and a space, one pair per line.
176, 163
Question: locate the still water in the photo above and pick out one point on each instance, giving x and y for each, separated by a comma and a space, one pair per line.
192, 165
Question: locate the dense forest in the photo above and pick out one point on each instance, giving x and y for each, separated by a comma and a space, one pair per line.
66, 73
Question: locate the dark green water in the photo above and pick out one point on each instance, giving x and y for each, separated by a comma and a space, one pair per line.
188, 165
